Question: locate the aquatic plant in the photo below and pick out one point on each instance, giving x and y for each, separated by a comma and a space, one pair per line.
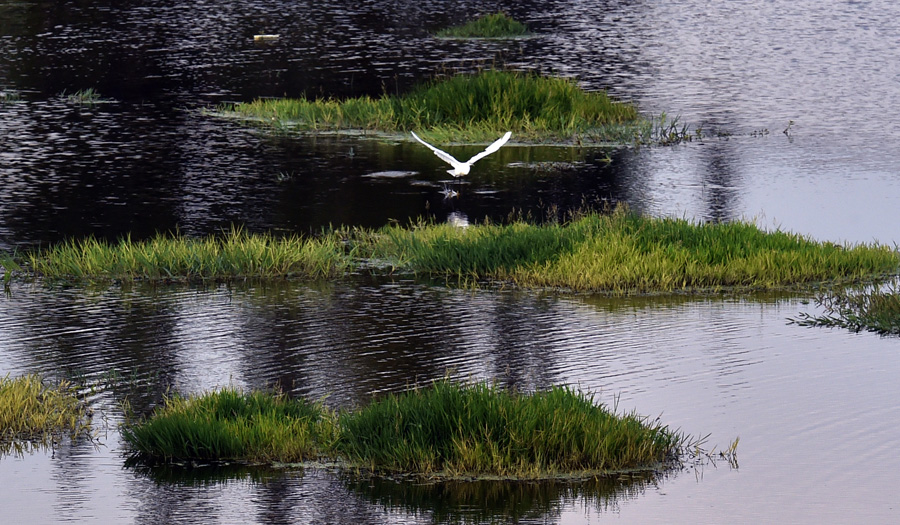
873, 309
448, 428
84, 97
231, 255
495, 25
462, 107
34, 414
623, 252
9, 95
229, 424
481, 429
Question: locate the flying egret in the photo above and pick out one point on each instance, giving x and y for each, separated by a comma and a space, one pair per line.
462, 168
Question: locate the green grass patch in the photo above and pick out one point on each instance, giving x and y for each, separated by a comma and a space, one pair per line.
83, 97
446, 429
458, 430
496, 25
231, 425
874, 310
234, 254
625, 253
35, 414
467, 108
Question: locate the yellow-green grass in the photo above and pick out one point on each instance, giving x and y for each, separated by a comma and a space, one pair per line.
626, 253
33, 413
495, 25
447, 429
874, 310
230, 425
477, 107
234, 254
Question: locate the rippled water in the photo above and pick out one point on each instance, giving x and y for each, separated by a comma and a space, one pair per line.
814, 408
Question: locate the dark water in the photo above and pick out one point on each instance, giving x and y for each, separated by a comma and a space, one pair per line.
814, 408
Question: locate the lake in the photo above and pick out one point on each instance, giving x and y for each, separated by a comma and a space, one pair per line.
794, 104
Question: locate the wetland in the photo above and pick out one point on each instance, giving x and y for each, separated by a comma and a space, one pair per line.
108, 132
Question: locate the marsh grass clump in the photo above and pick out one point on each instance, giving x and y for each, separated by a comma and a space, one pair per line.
229, 424
231, 255
480, 429
35, 414
9, 95
461, 107
83, 97
625, 253
495, 25
875, 310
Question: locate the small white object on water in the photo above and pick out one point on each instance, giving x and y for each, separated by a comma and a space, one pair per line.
462, 168
449, 192
265, 37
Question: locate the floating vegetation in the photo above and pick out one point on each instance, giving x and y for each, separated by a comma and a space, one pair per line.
35, 415
625, 253
496, 25
234, 254
469, 108
873, 310
447, 429
83, 97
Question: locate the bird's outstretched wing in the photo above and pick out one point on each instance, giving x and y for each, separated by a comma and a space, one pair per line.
443, 155
492, 148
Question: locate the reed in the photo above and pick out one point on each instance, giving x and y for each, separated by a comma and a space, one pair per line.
874, 310
35, 414
234, 254
462, 107
495, 25
480, 429
626, 253
83, 97
230, 425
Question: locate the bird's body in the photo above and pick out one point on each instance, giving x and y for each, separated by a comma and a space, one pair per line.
462, 168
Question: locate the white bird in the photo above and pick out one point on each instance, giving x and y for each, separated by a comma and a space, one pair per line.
462, 168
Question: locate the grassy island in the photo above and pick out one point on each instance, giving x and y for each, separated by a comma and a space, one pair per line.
468, 108
34, 415
618, 253
447, 429
496, 25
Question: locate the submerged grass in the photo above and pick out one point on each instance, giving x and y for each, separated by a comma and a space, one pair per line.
463, 107
448, 429
34, 414
230, 425
481, 429
875, 310
230, 255
626, 253
496, 25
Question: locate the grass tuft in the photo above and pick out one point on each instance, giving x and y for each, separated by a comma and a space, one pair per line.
448, 429
229, 425
625, 253
33, 414
480, 429
463, 108
234, 254
496, 25
873, 310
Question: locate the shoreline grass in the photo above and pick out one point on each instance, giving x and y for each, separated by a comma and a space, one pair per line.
446, 429
617, 253
35, 415
463, 107
495, 25
872, 310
